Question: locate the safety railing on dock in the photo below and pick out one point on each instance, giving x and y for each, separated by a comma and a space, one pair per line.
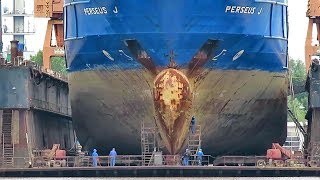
17, 162
20, 61
263, 161
47, 106
102, 161
164, 160
238, 160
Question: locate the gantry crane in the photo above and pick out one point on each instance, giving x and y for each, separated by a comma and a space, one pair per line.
313, 13
52, 9
313, 80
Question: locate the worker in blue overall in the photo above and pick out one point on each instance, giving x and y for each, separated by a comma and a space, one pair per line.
199, 156
113, 155
186, 157
94, 158
193, 124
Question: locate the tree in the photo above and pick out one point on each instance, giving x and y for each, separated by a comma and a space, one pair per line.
299, 103
57, 63
38, 58
298, 70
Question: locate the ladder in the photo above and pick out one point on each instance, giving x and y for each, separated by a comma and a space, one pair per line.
194, 144
296, 122
299, 126
7, 145
148, 143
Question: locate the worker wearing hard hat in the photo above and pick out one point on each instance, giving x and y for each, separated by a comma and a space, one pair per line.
94, 158
199, 156
186, 157
113, 155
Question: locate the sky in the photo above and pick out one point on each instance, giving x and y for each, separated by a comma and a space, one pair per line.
297, 28
298, 24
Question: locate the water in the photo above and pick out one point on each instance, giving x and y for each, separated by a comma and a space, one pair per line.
179, 178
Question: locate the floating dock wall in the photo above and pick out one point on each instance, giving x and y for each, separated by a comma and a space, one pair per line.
35, 107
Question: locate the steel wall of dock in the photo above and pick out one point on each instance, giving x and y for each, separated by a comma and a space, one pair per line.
14, 87
41, 114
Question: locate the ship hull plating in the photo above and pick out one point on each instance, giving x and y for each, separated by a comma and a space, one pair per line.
163, 61
239, 111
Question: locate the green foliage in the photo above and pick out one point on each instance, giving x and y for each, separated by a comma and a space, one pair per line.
38, 58
298, 70
298, 109
299, 103
57, 63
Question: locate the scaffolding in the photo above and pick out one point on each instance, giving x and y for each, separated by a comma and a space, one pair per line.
148, 144
194, 144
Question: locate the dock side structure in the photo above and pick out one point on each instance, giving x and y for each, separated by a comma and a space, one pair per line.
34, 111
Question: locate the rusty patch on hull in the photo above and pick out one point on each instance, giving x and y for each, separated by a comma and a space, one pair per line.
173, 105
240, 120
141, 55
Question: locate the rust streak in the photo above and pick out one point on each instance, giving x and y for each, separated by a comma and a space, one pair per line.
201, 57
141, 55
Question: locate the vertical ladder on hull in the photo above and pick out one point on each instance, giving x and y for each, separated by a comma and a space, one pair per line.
148, 143
194, 144
7, 145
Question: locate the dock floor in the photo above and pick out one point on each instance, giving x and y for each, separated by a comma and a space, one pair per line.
162, 171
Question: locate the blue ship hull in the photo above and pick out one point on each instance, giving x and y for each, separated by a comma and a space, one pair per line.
163, 61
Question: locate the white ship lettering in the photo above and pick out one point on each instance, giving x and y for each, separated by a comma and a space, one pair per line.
240, 9
115, 10
95, 10
99, 10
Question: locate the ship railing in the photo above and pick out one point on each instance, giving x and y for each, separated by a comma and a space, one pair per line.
17, 61
51, 107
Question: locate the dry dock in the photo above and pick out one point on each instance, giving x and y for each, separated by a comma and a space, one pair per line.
34, 111
162, 171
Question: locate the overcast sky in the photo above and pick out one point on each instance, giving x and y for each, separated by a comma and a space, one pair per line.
298, 24
297, 28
